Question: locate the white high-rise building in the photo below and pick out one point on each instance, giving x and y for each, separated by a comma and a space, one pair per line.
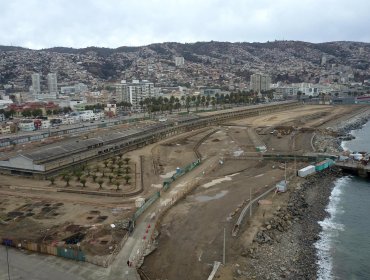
260, 82
179, 61
52, 83
135, 92
36, 87
323, 60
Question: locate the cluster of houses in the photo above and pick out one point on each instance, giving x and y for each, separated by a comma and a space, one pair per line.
39, 123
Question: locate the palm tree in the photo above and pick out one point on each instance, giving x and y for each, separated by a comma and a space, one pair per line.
117, 185
94, 177
78, 175
119, 172
187, 104
83, 167
127, 178
100, 182
67, 178
126, 160
64, 174
127, 169
106, 162
52, 180
114, 159
110, 177
299, 94
83, 181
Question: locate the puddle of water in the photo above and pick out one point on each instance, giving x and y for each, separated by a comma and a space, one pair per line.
168, 174
204, 198
216, 181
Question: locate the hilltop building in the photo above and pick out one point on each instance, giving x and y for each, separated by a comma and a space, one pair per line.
179, 61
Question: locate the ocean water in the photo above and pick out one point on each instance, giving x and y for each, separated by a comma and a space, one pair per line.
344, 247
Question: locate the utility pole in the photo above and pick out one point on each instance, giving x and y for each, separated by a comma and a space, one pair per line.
250, 201
285, 172
223, 259
7, 257
295, 166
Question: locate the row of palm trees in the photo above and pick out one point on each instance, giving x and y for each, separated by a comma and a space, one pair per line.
113, 171
162, 104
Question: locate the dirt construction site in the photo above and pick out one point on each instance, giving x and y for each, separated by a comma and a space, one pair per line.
92, 214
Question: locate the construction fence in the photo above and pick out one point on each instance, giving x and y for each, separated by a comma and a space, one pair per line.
75, 253
60, 251
166, 185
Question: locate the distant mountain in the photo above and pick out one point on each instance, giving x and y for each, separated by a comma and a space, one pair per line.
11, 48
283, 60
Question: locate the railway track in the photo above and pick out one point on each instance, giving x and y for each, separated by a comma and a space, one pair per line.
204, 138
142, 274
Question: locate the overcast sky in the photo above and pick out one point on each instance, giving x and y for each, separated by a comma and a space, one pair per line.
112, 23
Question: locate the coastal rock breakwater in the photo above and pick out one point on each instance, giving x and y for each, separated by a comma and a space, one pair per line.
326, 143
284, 247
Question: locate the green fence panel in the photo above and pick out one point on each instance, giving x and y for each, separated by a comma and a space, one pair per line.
73, 254
147, 203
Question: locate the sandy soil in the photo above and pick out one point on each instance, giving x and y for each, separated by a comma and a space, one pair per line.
191, 232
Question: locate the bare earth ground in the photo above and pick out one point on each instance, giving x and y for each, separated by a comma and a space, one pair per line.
191, 234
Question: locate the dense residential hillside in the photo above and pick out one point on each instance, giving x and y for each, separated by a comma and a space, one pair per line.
206, 63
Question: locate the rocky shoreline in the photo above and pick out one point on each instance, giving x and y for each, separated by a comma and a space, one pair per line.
284, 248
332, 144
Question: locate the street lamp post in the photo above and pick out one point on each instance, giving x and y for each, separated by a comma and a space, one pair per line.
7, 243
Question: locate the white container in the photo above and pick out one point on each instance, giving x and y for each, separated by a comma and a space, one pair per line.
281, 186
139, 202
356, 156
306, 171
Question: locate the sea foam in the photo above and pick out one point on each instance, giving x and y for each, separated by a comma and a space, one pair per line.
330, 229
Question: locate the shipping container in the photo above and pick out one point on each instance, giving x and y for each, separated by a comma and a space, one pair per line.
321, 166
306, 171
324, 164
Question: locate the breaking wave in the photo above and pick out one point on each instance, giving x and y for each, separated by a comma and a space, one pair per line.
330, 230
